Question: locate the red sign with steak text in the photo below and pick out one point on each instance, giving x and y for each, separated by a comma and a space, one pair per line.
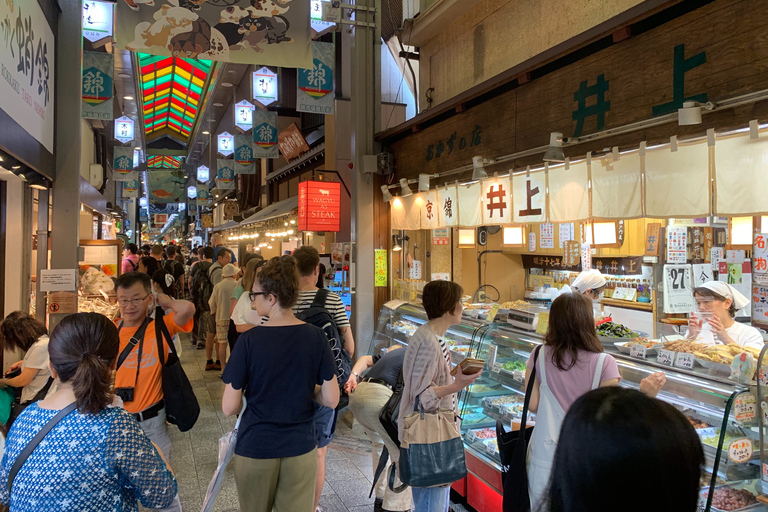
319, 206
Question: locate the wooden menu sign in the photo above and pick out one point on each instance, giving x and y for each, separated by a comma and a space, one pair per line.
291, 142
572, 252
652, 239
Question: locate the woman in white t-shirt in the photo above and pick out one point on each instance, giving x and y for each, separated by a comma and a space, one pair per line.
722, 301
21, 331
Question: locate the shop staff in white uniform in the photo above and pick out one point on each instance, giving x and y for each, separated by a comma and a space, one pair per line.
590, 283
724, 301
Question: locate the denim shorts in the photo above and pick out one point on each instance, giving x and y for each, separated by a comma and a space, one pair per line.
325, 425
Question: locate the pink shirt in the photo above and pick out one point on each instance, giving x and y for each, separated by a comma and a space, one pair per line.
127, 267
569, 385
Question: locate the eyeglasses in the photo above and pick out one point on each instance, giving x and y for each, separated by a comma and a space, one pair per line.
253, 295
131, 302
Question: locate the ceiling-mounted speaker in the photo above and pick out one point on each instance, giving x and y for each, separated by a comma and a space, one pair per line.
492, 230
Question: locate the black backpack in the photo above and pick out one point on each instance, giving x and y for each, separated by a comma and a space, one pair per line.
318, 316
202, 287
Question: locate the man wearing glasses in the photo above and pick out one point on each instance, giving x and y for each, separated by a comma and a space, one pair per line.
138, 380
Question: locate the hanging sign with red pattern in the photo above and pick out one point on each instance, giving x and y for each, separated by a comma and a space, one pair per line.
319, 206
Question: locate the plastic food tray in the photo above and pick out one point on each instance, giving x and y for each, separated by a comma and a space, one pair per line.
718, 367
607, 340
624, 348
750, 508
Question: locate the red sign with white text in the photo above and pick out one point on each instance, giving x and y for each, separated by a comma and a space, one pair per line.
319, 206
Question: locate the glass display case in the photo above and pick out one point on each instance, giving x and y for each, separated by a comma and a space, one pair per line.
723, 412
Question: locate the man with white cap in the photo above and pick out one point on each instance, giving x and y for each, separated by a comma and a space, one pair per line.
590, 282
722, 301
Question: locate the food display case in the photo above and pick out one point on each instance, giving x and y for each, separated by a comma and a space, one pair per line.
723, 412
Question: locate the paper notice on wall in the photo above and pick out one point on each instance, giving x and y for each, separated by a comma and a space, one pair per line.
531, 242
717, 255
760, 304
760, 254
677, 242
586, 257
566, 233
702, 273
678, 288
734, 256
547, 236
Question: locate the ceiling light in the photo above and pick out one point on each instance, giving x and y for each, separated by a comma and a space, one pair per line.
124, 75
405, 190
396, 244
269, 247
137, 148
127, 97
555, 150
424, 182
218, 104
206, 132
293, 222
478, 171
39, 187
217, 195
386, 194
226, 84
690, 114
1, 159
16, 167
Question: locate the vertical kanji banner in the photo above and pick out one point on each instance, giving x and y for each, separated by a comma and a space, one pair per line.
497, 201
244, 161
122, 164
428, 207
97, 85
265, 134
529, 197
225, 175
131, 188
314, 93
449, 207
166, 186
264, 32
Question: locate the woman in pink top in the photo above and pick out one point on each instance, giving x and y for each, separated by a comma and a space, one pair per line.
570, 363
130, 259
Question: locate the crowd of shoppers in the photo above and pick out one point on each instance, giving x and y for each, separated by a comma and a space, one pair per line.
109, 443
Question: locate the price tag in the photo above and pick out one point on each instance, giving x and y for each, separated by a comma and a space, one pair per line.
665, 357
518, 375
706, 432
496, 368
492, 313
637, 350
740, 450
471, 436
543, 324
620, 293
684, 360
745, 407
763, 376
491, 448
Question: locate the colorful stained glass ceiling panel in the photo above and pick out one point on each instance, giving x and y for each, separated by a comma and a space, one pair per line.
171, 89
165, 162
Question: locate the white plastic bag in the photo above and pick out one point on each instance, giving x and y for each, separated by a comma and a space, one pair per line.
226, 452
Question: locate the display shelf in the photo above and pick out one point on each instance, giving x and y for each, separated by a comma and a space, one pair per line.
702, 394
640, 306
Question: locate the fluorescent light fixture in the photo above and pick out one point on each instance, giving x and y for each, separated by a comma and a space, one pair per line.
467, 238
601, 234
513, 236
405, 190
127, 97
741, 231
386, 194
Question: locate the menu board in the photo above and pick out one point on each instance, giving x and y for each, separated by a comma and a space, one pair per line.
100, 265
547, 236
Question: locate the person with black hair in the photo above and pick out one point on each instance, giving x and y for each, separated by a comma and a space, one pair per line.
148, 265
201, 287
718, 303
321, 276
283, 367
22, 332
142, 391
609, 437
96, 457
130, 259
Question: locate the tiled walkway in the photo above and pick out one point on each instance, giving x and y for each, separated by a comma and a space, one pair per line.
194, 453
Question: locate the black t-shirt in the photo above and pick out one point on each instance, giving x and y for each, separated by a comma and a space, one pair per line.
279, 368
387, 367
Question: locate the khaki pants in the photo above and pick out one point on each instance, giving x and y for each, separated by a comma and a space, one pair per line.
366, 403
157, 431
287, 484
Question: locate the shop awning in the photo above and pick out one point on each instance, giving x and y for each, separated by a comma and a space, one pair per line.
227, 225
272, 211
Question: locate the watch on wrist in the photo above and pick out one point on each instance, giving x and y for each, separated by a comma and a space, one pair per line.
357, 375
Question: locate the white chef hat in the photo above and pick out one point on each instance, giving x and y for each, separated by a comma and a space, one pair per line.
588, 280
729, 292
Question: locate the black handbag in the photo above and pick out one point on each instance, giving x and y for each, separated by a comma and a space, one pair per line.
181, 406
391, 410
513, 449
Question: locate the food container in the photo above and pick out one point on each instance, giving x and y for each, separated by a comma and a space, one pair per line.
704, 493
718, 367
609, 342
625, 348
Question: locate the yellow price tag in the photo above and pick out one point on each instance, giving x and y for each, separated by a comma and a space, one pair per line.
493, 312
541, 327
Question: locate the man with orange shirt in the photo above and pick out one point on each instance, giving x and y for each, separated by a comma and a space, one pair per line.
138, 380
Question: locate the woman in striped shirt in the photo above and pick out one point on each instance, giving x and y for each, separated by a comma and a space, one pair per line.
427, 374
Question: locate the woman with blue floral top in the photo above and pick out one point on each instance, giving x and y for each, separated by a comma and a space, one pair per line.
96, 458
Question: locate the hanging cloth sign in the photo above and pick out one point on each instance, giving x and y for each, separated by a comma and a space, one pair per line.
397, 213
272, 33
122, 164
131, 188
746, 158
315, 85
226, 144
448, 207
412, 212
677, 183
244, 162
616, 188
203, 194
97, 85
470, 205
244, 115
497, 201
429, 210
225, 176
166, 186
569, 192
529, 197
265, 134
